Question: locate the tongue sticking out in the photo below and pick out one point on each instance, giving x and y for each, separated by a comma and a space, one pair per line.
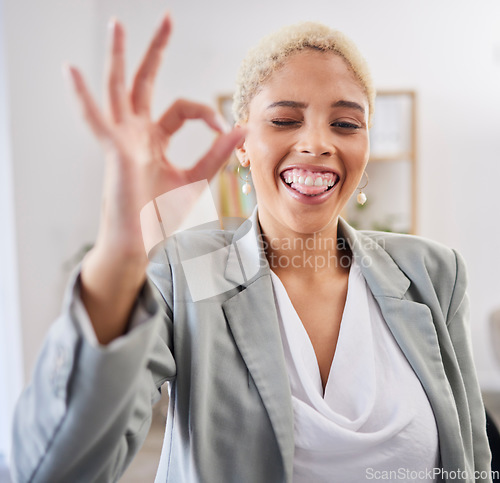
309, 183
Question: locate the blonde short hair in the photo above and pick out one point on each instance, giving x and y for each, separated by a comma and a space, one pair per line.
272, 52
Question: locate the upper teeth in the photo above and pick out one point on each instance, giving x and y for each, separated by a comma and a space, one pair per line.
308, 181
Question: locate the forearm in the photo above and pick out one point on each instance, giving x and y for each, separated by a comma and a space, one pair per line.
110, 284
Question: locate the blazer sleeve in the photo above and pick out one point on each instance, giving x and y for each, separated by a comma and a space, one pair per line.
88, 408
459, 330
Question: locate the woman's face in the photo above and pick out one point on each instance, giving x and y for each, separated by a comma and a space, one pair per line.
307, 143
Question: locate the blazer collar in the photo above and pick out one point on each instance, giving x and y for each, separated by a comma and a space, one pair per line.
383, 276
247, 261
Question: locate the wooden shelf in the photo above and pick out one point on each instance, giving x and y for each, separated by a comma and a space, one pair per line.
392, 168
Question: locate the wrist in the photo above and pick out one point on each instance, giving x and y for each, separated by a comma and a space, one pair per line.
110, 285
114, 269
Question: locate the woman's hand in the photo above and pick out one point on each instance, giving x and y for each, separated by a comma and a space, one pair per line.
137, 171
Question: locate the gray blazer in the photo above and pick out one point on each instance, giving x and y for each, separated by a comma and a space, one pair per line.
206, 322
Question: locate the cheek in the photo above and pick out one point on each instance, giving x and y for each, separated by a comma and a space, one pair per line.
264, 162
258, 144
262, 175
358, 152
264, 155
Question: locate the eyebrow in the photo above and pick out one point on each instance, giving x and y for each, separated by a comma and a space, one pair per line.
303, 105
350, 105
300, 105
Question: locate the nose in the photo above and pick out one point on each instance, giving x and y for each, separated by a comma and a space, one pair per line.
316, 140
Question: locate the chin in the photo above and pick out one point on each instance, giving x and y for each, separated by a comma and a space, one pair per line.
308, 223
287, 213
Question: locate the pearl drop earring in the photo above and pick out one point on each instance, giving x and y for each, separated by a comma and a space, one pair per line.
246, 188
361, 198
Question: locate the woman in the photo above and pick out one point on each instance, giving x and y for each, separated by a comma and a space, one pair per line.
296, 348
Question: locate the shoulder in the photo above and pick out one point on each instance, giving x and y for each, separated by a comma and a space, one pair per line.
432, 268
416, 252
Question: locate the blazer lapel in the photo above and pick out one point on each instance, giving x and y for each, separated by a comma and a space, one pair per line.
252, 317
412, 326
410, 322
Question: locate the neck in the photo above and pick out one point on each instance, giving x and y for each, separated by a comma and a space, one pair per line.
310, 255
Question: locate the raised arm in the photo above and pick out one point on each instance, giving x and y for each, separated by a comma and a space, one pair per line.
136, 172
87, 409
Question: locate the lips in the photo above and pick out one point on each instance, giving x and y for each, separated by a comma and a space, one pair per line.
309, 182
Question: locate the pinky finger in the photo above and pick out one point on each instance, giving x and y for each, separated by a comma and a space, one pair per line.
91, 111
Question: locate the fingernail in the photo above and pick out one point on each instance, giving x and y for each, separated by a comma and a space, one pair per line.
66, 71
112, 23
242, 131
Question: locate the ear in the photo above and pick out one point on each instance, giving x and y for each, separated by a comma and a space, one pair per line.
240, 150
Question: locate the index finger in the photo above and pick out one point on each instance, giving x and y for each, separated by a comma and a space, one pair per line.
182, 110
142, 88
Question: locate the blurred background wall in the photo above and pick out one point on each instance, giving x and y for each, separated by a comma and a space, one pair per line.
448, 51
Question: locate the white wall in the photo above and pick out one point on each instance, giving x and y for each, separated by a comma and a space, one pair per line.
11, 366
448, 51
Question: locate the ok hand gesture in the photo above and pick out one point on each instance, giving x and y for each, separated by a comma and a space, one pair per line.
137, 171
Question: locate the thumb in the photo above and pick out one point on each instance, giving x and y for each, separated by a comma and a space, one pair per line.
219, 152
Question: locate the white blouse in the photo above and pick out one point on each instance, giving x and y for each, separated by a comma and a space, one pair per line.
374, 420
